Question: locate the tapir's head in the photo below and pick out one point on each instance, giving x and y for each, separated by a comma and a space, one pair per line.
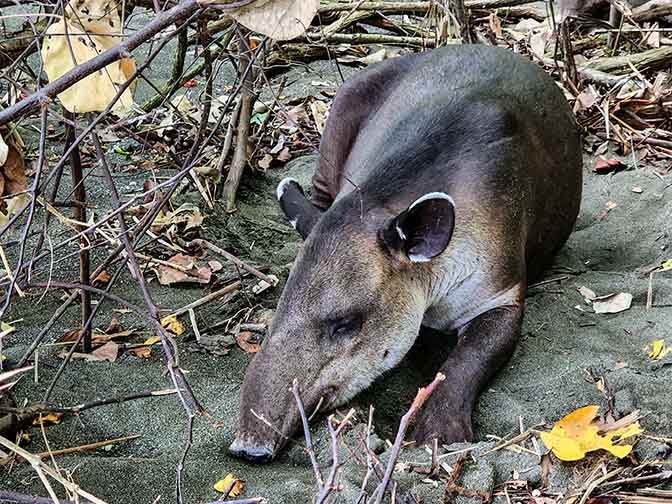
351, 309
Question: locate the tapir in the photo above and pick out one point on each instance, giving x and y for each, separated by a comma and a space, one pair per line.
446, 181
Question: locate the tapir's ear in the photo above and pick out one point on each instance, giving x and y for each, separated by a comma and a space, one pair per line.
300, 212
422, 231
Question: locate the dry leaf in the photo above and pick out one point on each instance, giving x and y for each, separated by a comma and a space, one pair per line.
91, 35
588, 294
114, 327
284, 155
103, 278
279, 19
248, 341
4, 151
152, 341
613, 303
107, 352
265, 162
320, 111
657, 349
48, 419
6, 328
141, 352
608, 165
215, 266
187, 213
576, 434
235, 484
69, 336
173, 325
13, 169
186, 271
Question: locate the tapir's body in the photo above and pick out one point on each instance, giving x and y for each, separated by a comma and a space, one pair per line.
446, 180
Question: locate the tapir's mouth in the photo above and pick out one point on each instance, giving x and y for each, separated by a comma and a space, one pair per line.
246, 448
248, 445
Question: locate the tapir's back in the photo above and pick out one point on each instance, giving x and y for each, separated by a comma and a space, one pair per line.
480, 123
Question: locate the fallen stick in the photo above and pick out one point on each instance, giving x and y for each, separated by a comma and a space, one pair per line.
271, 280
122, 50
206, 299
652, 10
37, 409
87, 447
372, 38
413, 7
651, 59
597, 76
40, 467
420, 398
28, 499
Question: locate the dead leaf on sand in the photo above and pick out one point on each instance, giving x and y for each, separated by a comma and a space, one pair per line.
657, 349
173, 325
578, 433
108, 352
612, 303
231, 484
608, 165
248, 341
185, 271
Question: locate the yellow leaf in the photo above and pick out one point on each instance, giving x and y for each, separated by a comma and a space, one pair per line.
666, 265
50, 418
152, 341
657, 349
223, 485
78, 39
3, 357
576, 434
6, 328
173, 325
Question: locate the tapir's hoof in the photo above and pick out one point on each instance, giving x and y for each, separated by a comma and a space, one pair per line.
446, 430
250, 451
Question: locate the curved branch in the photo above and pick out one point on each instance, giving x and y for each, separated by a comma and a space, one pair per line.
173, 16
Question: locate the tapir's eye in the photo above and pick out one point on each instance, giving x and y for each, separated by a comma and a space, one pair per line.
345, 327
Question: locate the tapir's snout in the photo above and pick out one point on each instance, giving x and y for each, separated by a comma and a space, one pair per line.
247, 448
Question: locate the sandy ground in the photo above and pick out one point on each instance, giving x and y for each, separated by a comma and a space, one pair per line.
545, 379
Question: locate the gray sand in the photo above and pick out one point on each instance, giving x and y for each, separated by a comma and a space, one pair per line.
543, 381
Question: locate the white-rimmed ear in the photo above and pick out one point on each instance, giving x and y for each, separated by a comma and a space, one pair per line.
300, 212
424, 230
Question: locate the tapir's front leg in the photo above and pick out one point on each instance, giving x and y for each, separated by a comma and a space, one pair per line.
484, 345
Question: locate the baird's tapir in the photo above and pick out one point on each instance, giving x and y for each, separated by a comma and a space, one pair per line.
446, 181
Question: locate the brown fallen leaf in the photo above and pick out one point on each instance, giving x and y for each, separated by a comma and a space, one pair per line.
103, 278
248, 341
608, 165
69, 336
143, 352
114, 326
185, 271
108, 352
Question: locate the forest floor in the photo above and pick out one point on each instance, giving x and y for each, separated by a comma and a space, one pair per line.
624, 230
